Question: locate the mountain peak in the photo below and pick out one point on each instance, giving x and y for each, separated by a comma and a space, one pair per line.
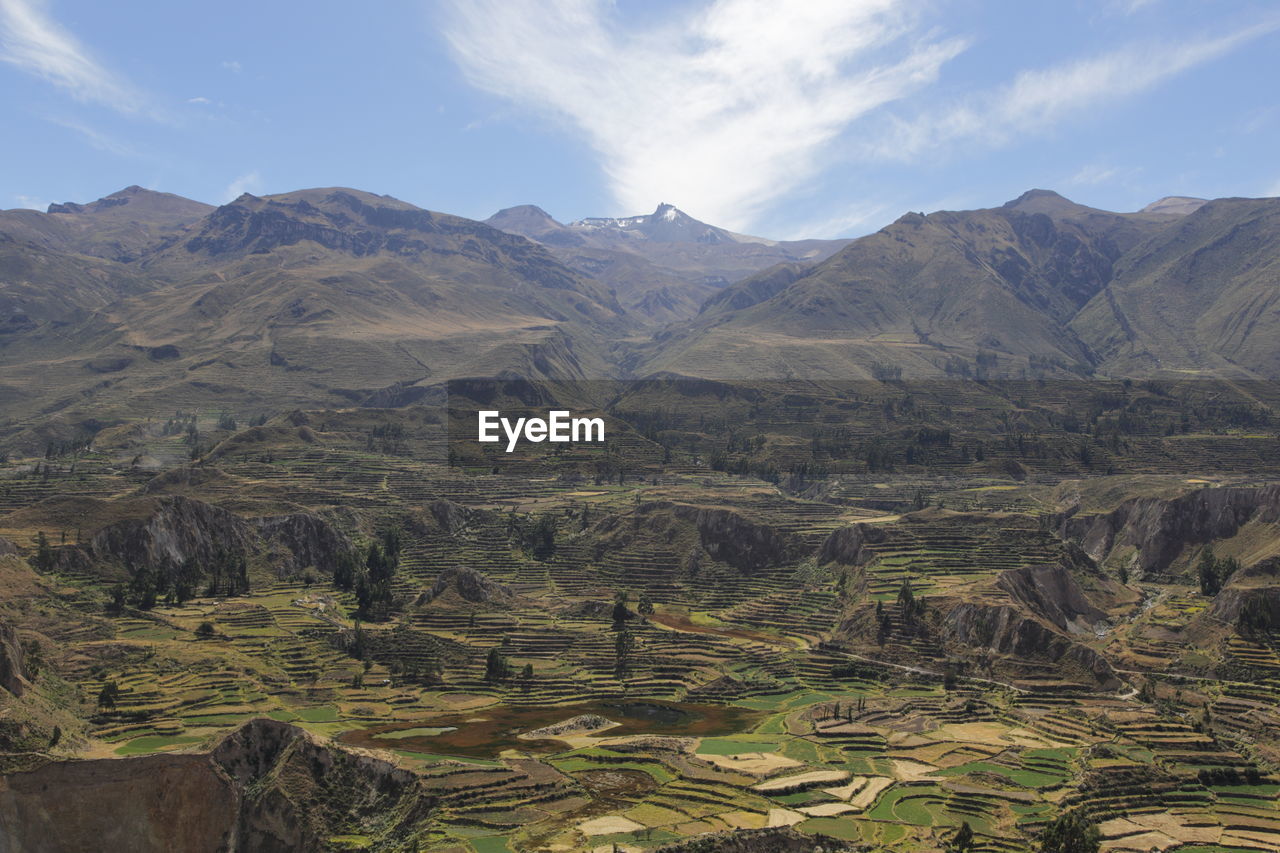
529, 220
139, 202
1038, 200
669, 213
1176, 204
521, 212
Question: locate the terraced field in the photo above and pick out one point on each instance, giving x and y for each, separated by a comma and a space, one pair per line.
851, 661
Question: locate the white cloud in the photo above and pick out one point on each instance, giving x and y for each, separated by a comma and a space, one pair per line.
233, 65
1272, 191
34, 42
1038, 99
1092, 174
31, 202
721, 111
852, 219
199, 99
249, 182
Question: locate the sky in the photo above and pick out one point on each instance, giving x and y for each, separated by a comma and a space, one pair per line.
817, 119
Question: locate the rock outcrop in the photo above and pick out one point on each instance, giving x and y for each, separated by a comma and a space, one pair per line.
467, 584
725, 535
1006, 630
163, 532
1250, 610
266, 787
300, 539
1159, 530
852, 545
177, 529
1050, 592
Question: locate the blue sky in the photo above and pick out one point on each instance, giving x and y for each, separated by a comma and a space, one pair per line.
823, 118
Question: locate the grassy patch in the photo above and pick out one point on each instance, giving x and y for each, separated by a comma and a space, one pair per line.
155, 743
318, 714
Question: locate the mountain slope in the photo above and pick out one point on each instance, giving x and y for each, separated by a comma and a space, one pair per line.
318, 296
926, 295
1198, 296
118, 227
662, 265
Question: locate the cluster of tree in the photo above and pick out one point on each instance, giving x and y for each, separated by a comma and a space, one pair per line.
885, 372
227, 574
909, 605
744, 466
1071, 832
109, 695
1212, 776
1257, 618
181, 422
374, 596
388, 439
73, 447
496, 666
1213, 573
227, 422
535, 535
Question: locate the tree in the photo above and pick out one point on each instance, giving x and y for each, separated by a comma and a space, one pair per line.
645, 606
963, 841
205, 630
1070, 833
345, 568
906, 599
44, 559
1207, 569
495, 666
621, 613
109, 694
623, 646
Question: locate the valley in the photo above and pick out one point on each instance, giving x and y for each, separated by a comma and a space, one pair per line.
970, 522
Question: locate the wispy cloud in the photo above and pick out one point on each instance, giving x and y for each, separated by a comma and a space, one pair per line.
31, 202
1129, 7
1038, 99
94, 137
722, 110
1092, 175
31, 40
1272, 191
851, 219
249, 182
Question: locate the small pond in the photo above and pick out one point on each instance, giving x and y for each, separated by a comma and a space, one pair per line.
486, 733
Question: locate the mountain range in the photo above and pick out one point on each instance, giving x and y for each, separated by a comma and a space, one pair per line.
336, 297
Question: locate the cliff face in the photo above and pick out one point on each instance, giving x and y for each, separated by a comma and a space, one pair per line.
1007, 630
852, 545
266, 787
180, 528
13, 673
299, 540
1160, 530
1249, 610
164, 532
726, 535
1051, 593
